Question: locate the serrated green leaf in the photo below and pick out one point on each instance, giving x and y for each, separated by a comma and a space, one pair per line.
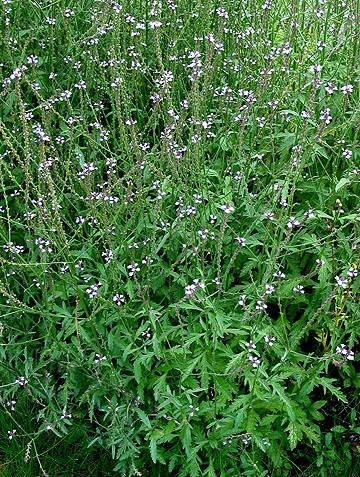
153, 450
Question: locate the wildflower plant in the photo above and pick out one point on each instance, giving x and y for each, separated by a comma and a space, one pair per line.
179, 227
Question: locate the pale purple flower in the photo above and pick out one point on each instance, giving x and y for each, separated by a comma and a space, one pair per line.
269, 216
345, 352
93, 290
348, 88
251, 345
227, 208
325, 116
254, 360
293, 222
118, 299
269, 289
269, 340
330, 88
21, 381
342, 282
241, 241
221, 12
347, 153
315, 69
133, 268
194, 287
108, 255
352, 272
309, 214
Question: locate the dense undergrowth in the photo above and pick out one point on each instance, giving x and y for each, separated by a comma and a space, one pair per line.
179, 226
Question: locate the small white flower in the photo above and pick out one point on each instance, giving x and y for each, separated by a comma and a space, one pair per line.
293, 222
222, 13
133, 268
251, 345
348, 88
241, 241
146, 334
11, 404
155, 24
118, 299
193, 409
346, 352
80, 85
342, 282
352, 272
11, 434
325, 116
147, 260
227, 208
347, 153
32, 60
99, 358
21, 381
203, 233
93, 290
65, 415
305, 114
314, 69
260, 305
269, 340
309, 214
44, 245
108, 255
269, 216
254, 360
68, 12
64, 268
194, 287
299, 289
269, 289
50, 21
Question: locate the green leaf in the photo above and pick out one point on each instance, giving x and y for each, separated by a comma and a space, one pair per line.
328, 439
185, 437
143, 417
295, 434
338, 429
153, 450
342, 182
288, 403
326, 383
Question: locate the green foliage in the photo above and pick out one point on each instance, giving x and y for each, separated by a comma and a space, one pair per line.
179, 226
